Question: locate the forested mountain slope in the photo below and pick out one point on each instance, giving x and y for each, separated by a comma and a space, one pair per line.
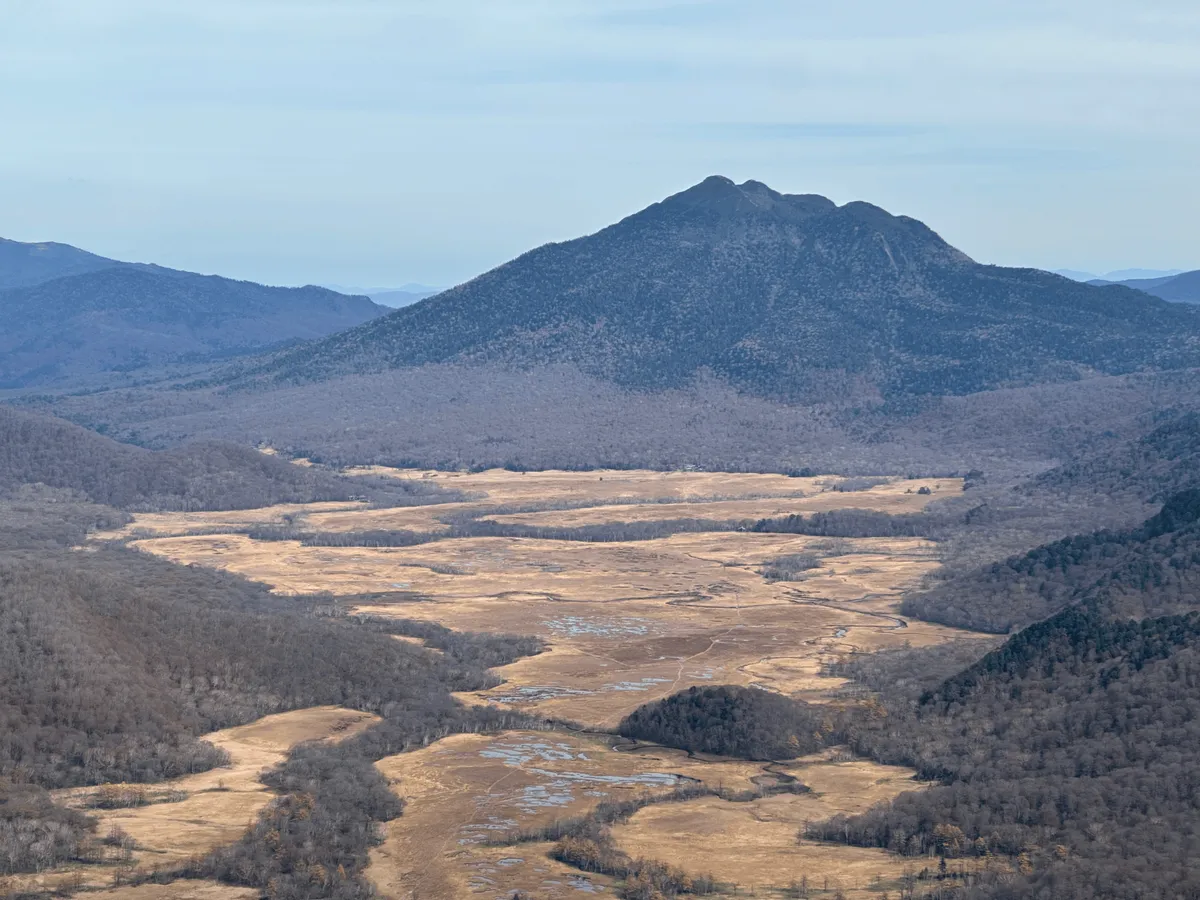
36, 449
1073, 750
113, 664
1152, 570
1183, 288
105, 666
1163, 461
124, 318
782, 295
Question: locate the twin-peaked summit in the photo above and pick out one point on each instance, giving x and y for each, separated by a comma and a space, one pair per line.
785, 295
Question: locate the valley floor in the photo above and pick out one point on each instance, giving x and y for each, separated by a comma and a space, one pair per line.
625, 622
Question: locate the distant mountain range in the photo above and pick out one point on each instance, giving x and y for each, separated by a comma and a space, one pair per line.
394, 297
1181, 288
1120, 275
66, 314
787, 296
405, 296
726, 326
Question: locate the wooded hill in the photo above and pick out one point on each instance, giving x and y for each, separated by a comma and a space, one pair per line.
1153, 466
37, 449
1150, 570
23, 265
1181, 288
1072, 751
781, 295
729, 721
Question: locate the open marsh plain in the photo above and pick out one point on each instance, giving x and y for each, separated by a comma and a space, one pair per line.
624, 622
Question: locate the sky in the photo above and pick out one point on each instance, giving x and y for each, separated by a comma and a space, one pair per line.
365, 142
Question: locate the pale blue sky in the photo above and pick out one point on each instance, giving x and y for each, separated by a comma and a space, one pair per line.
372, 142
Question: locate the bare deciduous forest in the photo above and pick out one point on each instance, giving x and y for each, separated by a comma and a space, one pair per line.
112, 664
207, 475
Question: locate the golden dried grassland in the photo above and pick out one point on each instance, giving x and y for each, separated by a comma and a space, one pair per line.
625, 622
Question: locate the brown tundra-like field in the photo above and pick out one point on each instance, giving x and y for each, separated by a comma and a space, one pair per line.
625, 622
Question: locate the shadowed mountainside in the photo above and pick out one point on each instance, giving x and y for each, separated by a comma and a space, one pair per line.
1162, 462
1071, 750
1153, 569
123, 317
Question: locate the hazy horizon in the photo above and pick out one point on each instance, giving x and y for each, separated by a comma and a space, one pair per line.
371, 143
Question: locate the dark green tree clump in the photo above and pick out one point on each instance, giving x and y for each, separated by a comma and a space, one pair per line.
729, 721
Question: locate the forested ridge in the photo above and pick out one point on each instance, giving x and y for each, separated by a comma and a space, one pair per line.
1155, 465
1150, 570
99, 323
39, 449
136, 657
24, 264
1073, 750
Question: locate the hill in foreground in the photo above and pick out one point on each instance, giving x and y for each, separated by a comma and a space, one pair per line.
781, 295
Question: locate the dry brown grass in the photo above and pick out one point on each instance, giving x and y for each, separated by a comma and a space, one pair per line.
626, 623
468, 789
63, 882
184, 889
218, 807
704, 495
755, 844
607, 485
896, 497
176, 523
742, 844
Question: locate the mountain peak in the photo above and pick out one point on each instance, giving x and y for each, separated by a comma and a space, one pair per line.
722, 196
24, 264
785, 295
